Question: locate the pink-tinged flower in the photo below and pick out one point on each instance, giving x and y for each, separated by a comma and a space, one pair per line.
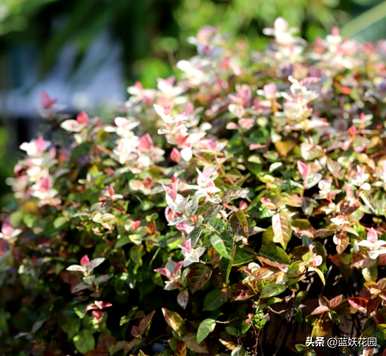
205, 183
312, 259
185, 227
146, 186
316, 261
86, 266
352, 131
35, 172
35, 148
296, 105
165, 113
180, 210
109, 194
145, 143
97, 309
360, 178
299, 90
172, 271
138, 153
8, 232
270, 91
175, 155
139, 94
232, 126
210, 145
191, 255
246, 123
46, 101
123, 126
135, 224
84, 261
82, 118
303, 169
168, 88
171, 190
77, 125
243, 205
44, 191
243, 96
126, 150
374, 246
193, 71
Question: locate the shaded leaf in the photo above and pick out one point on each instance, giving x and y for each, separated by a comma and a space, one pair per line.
198, 276
204, 329
215, 299
219, 245
174, 320
271, 290
193, 345
84, 341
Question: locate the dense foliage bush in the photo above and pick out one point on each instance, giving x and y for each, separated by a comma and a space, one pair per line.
238, 209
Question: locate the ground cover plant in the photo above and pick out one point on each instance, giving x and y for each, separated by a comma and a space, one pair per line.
235, 210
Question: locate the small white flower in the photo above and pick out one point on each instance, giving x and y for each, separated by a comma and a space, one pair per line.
191, 255
374, 246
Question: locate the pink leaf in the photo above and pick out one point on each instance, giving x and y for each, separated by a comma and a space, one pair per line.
187, 246
46, 101
175, 155
372, 235
135, 224
84, 261
82, 118
145, 143
359, 303
321, 309
303, 169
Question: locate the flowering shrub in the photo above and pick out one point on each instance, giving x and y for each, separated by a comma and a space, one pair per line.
238, 209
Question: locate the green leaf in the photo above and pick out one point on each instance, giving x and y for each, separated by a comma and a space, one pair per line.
84, 341
124, 240
215, 299
60, 221
274, 252
281, 228
205, 328
219, 245
238, 328
70, 325
270, 290
243, 256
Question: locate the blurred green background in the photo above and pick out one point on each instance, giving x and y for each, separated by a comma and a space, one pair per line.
38, 38
153, 33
